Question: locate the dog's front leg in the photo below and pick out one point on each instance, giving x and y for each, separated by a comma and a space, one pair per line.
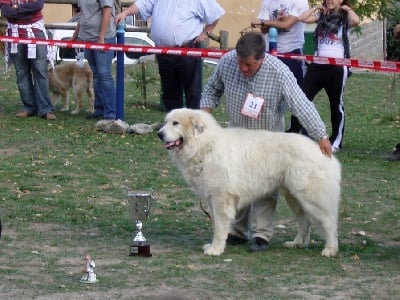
222, 216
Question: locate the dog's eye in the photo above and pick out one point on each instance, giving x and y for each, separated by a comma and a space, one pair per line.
175, 123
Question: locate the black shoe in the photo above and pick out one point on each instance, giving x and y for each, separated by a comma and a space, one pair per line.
258, 244
93, 117
235, 240
395, 156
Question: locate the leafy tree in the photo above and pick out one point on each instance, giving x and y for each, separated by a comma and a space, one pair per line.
392, 16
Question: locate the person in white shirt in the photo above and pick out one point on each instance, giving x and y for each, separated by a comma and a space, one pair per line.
283, 15
178, 23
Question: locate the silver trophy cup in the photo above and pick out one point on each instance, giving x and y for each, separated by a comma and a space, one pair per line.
139, 205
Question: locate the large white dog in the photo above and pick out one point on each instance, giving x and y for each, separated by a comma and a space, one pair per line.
231, 167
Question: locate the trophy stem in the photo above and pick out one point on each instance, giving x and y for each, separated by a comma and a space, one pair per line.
140, 247
140, 204
139, 236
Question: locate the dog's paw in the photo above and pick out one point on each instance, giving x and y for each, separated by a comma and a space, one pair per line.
65, 108
210, 250
75, 112
330, 252
289, 244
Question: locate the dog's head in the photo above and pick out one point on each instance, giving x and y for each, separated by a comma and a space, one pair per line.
182, 126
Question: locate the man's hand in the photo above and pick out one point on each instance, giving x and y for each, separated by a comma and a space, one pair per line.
207, 109
325, 146
120, 17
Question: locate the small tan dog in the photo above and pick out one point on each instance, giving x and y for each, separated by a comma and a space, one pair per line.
76, 76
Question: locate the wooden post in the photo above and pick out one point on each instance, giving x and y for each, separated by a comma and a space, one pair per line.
223, 40
144, 83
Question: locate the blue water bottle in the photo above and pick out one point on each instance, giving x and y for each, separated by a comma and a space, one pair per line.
273, 40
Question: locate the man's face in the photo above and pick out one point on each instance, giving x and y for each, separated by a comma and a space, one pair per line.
249, 65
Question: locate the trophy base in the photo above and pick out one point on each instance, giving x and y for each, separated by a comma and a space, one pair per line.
140, 250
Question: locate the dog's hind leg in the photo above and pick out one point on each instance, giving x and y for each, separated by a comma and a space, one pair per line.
322, 208
329, 226
323, 205
222, 217
64, 94
90, 94
78, 98
304, 223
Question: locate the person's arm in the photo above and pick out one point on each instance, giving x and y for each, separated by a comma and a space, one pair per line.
106, 12
207, 109
131, 10
283, 24
7, 11
352, 17
213, 91
311, 16
32, 6
325, 146
10, 12
76, 32
207, 29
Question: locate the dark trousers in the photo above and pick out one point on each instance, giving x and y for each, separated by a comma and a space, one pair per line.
180, 75
295, 65
332, 79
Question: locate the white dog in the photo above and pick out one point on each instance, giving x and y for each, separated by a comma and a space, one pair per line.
231, 167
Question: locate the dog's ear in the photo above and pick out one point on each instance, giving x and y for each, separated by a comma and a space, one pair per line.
198, 125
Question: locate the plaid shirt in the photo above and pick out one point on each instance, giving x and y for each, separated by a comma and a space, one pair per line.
274, 82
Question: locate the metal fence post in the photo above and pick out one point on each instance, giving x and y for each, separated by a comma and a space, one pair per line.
120, 72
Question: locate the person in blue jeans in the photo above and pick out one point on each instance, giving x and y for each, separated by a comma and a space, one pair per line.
96, 25
25, 20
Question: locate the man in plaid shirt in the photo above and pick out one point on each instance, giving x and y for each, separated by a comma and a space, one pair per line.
258, 89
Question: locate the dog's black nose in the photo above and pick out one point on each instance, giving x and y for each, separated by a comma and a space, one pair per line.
160, 135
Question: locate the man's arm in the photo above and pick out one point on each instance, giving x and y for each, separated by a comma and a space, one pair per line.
282, 24
30, 7
311, 16
207, 29
76, 32
106, 12
131, 10
9, 11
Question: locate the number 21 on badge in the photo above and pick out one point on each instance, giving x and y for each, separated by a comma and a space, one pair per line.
252, 106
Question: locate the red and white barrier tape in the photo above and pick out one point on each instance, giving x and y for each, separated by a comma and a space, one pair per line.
383, 66
377, 65
117, 47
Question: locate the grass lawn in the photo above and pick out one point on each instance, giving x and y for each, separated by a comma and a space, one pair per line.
63, 190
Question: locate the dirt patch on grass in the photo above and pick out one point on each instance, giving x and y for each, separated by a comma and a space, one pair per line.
8, 152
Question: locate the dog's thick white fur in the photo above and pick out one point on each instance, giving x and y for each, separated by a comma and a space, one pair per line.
76, 76
231, 167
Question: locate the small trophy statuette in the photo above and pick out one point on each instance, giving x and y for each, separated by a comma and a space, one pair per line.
89, 276
139, 205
